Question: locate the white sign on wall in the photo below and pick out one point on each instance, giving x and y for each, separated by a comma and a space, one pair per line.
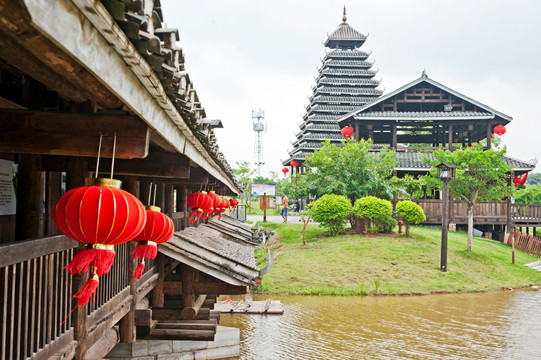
261, 189
8, 202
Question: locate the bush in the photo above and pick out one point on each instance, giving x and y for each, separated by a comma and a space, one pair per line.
378, 211
410, 212
331, 211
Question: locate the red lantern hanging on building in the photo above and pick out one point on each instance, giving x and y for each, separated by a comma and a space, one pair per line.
500, 130
294, 163
234, 203
224, 205
520, 180
158, 229
99, 216
347, 132
200, 202
215, 198
285, 171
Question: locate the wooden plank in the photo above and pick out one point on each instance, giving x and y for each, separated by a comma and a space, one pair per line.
55, 133
194, 325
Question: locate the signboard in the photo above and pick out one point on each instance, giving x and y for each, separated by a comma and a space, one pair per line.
7, 190
261, 189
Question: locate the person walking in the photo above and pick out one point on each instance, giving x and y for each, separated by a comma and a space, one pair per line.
283, 212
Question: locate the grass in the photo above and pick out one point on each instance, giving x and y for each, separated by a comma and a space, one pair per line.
362, 265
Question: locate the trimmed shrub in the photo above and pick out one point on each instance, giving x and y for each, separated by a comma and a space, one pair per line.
331, 211
378, 211
410, 212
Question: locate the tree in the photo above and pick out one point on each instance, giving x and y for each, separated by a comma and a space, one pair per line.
350, 170
410, 212
331, 211
529, 194
534, 179
376, 211
480, 176
244, 174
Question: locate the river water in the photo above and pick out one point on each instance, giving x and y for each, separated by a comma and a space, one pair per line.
496, 325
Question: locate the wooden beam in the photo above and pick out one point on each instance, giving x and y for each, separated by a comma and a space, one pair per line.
175, 288
155, 165
176, 314
181, 334
190, 312
24, 47
53, 133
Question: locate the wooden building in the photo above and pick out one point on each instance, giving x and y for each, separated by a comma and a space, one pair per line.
72, 72
345, 82
425, 115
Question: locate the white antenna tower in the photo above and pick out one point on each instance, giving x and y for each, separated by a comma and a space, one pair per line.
259, 128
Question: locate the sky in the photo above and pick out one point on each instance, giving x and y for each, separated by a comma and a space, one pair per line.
252, 55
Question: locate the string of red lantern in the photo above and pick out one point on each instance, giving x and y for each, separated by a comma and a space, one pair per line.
234, 203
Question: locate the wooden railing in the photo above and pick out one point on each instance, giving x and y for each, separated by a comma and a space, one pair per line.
493, 213
36, 297
527, 243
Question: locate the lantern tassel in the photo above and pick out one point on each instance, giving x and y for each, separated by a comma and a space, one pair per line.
196, 213
99, 258
88, 289
138, 272
147, 250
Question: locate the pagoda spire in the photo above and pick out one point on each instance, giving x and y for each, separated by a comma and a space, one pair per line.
344, 17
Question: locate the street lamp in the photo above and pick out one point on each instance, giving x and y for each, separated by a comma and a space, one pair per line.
446, 171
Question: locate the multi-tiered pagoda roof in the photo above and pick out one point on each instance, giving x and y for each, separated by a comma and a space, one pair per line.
345, 83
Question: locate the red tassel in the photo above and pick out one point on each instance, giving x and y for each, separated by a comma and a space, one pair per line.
86, 259
145, 251
87, 290
139, 270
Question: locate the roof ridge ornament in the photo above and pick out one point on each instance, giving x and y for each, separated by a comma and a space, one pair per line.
344, 17
424, 75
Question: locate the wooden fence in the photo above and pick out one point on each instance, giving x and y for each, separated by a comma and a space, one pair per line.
36, 297
527, 243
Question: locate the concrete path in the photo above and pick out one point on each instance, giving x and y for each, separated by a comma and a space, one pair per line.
535, 265
294, 219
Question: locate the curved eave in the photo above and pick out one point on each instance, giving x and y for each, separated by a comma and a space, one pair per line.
122, 69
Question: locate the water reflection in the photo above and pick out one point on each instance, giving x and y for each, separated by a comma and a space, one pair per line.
499, 325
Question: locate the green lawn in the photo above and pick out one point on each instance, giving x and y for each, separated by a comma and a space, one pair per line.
354, 264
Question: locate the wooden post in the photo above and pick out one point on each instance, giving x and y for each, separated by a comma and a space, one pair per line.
188, 285
157, 295
394, 141
489, 133
513, 248
52, 193
169, 200
75, 177
127, 327
184, 205
29, 216
160, 195
450, 140
510, 206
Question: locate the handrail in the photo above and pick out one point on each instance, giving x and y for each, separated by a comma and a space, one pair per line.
19, 251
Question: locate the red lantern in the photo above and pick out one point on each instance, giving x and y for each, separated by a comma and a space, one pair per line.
520, 180
294, 163
234, 203
224, 206
500, 130
158, 229
347, 132
200, 202
98, 215
215, 199
285, 170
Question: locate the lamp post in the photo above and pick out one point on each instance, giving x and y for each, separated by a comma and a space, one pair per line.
446, 172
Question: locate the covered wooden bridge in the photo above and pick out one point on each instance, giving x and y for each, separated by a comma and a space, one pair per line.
72, 72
